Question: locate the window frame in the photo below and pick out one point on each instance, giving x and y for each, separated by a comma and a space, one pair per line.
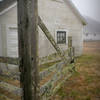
66, 36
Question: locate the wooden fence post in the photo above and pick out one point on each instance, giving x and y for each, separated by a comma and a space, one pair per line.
69, 45
28, 48
69, 41
71, 51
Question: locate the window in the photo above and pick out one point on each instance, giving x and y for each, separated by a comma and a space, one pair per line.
61, 37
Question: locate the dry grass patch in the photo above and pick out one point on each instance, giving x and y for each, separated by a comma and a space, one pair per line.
85, 83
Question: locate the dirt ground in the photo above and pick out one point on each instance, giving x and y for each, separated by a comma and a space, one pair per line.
85, 83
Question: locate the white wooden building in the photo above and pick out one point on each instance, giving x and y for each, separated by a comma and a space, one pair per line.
61, 18
91, 30
91, 36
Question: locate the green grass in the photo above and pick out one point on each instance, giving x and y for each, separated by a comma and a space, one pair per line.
74, 93
47, 65
61, 93
89, 79
85, 82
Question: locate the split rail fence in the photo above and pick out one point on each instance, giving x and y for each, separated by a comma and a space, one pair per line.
34, 84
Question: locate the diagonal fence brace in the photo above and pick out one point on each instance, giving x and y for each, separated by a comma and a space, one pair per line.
50, 38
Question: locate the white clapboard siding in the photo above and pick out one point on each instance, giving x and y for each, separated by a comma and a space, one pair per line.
12, 42
12, 45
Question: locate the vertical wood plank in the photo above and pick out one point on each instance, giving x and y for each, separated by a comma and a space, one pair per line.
70, 46
69, 41
28, 48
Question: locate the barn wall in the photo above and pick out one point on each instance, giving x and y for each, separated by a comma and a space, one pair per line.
57, 15
0, 43
7, 19
89, 36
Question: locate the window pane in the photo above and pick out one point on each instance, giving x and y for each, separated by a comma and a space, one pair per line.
61, 37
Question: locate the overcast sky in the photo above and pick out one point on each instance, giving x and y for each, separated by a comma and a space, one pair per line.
89, 8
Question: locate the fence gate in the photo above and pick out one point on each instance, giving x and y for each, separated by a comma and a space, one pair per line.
28, 22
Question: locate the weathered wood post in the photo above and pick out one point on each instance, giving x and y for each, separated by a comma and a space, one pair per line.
71, 51
69, 45
69, 41
28, 48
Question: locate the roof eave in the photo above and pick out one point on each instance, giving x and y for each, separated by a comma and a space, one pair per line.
75, 10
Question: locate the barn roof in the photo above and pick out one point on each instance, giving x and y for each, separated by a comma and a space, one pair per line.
5, 5
76, 11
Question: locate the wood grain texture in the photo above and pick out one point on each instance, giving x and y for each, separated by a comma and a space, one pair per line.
28, 48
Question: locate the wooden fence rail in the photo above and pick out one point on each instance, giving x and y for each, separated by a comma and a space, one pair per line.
59, 71
9, 60
49, 88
